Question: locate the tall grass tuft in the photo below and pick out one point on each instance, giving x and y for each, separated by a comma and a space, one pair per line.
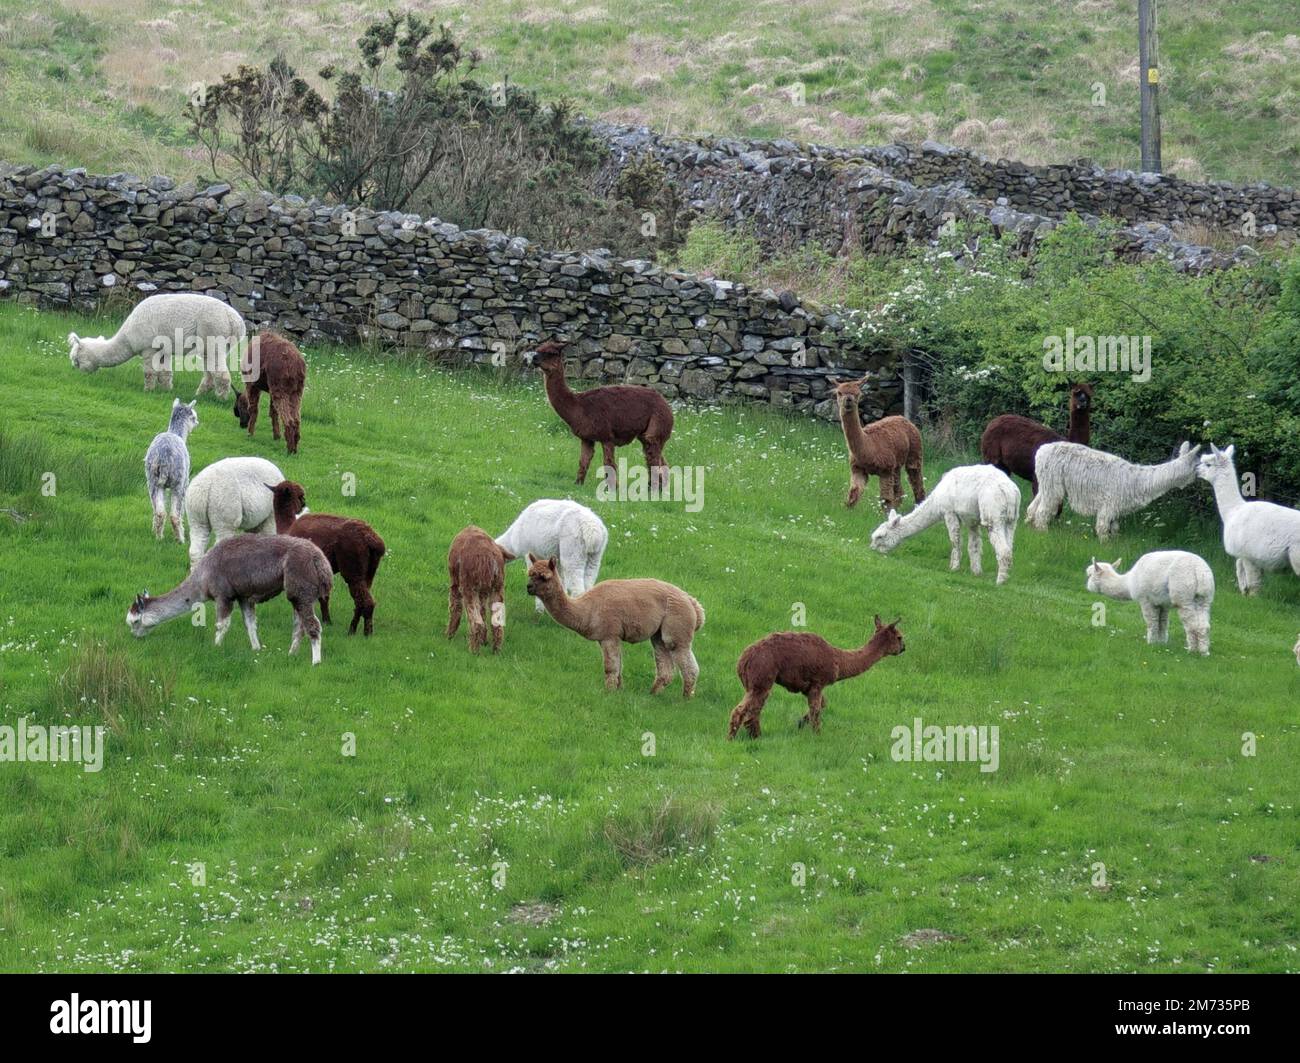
660, 832
104, 680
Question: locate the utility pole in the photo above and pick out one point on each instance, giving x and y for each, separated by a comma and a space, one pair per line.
1149, 62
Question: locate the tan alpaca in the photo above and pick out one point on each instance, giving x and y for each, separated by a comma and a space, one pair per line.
615, 611
884, 448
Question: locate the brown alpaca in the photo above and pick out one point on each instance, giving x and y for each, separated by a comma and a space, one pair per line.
281, 372
351, 546
626, 610
882, 449
806, 664
1011, 442
612, 416
478, 578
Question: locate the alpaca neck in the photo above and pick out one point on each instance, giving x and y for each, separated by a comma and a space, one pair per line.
1227, 493
1114, 585
564, 610
853, 434
1156, 480
849, 663
283, 521
560, 396
113, 351
175, 602
180, 427
922, 517
1080, 430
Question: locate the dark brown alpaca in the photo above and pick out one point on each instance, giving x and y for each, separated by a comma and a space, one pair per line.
351, 546
612, 416
884, 448
478, 577
1011, 442
803, 663
278, 369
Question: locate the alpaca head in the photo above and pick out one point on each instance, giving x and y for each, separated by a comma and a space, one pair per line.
1217, 463
888, 638
184, 417
1100, 571
243, 408
79, 352
288, 499
549, 357
543, 576
847, 394
138, 618
889, 534
1081, 397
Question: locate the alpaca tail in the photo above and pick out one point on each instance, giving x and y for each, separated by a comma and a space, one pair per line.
377, 550
324, 576
699, 612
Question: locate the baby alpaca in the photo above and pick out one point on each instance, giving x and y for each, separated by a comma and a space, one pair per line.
882, 449
803, 663
1262, 536
626, 610
477, 567
1161, 580
970, 497
246, 570
168, 330
228, 497
571, 532
167, 467
273, 364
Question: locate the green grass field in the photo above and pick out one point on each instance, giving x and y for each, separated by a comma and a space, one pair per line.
522, 767
100, 84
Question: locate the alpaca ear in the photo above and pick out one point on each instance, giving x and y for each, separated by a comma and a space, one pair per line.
1117, 562
879, 625
532, 559
1230, 451
175, 403
552, 563
864, 382
893, 518
194, 404
73, 339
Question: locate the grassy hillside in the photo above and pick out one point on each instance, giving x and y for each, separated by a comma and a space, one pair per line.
521, 765
101, 84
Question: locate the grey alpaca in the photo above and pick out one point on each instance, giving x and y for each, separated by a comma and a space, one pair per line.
167, 467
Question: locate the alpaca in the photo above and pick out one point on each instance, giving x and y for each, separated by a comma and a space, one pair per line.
477, 567
612, 416
1010, 441
1262, 536
168, 330
246, 570
803, 663
167, 467
564, 529
273, 364
881, 449
1101, 484
969, 496
228, 497
1161, 580
626, 610
351, 546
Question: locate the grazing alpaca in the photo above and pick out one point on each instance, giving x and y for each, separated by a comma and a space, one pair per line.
478, 578
1011, 442
559, 528
167, 467
612, 416
186, 324
882, 449
1161, 580
1100, 484
246, 570
274, 365
228, 497
803, 663
1262, 536
351, 546
970, 497
1296, 649
626, 610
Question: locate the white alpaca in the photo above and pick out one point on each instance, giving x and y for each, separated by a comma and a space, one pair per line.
1159, 581
1262, 536
562, 529
230, 496
969, 496
169, 330
1099, 484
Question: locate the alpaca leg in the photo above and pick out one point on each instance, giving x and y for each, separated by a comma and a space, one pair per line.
165, 376
612, 650
1002, 551
296, 640
150, 377
305, 620
292, 432
178, 517
224, 609
746, 714
573, 565
975, 550
663, 663
1162, 621
1151, 614
325, 609
918, 484
857, 484
477, 628
254, 398
158, 501
896, 487
250, 623
275, 418
954, 539
1107, 525
497, 613
584, 459
609, 471
199, 533
453, 611
816, 702
1249, 576
363, 605
1191, 619
654, 461
689, 667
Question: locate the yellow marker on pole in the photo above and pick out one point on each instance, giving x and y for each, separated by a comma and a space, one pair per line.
1153, 76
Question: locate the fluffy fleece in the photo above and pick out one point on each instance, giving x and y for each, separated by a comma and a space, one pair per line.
167, 468
161, 319
228, 497
569, 531
612, 416
352, 547
246, 570
970, 497
883, 449
272, 364
1099, 484
477, 568
626, 610
1262, 536
1011, 442
1159, 581
803, 663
